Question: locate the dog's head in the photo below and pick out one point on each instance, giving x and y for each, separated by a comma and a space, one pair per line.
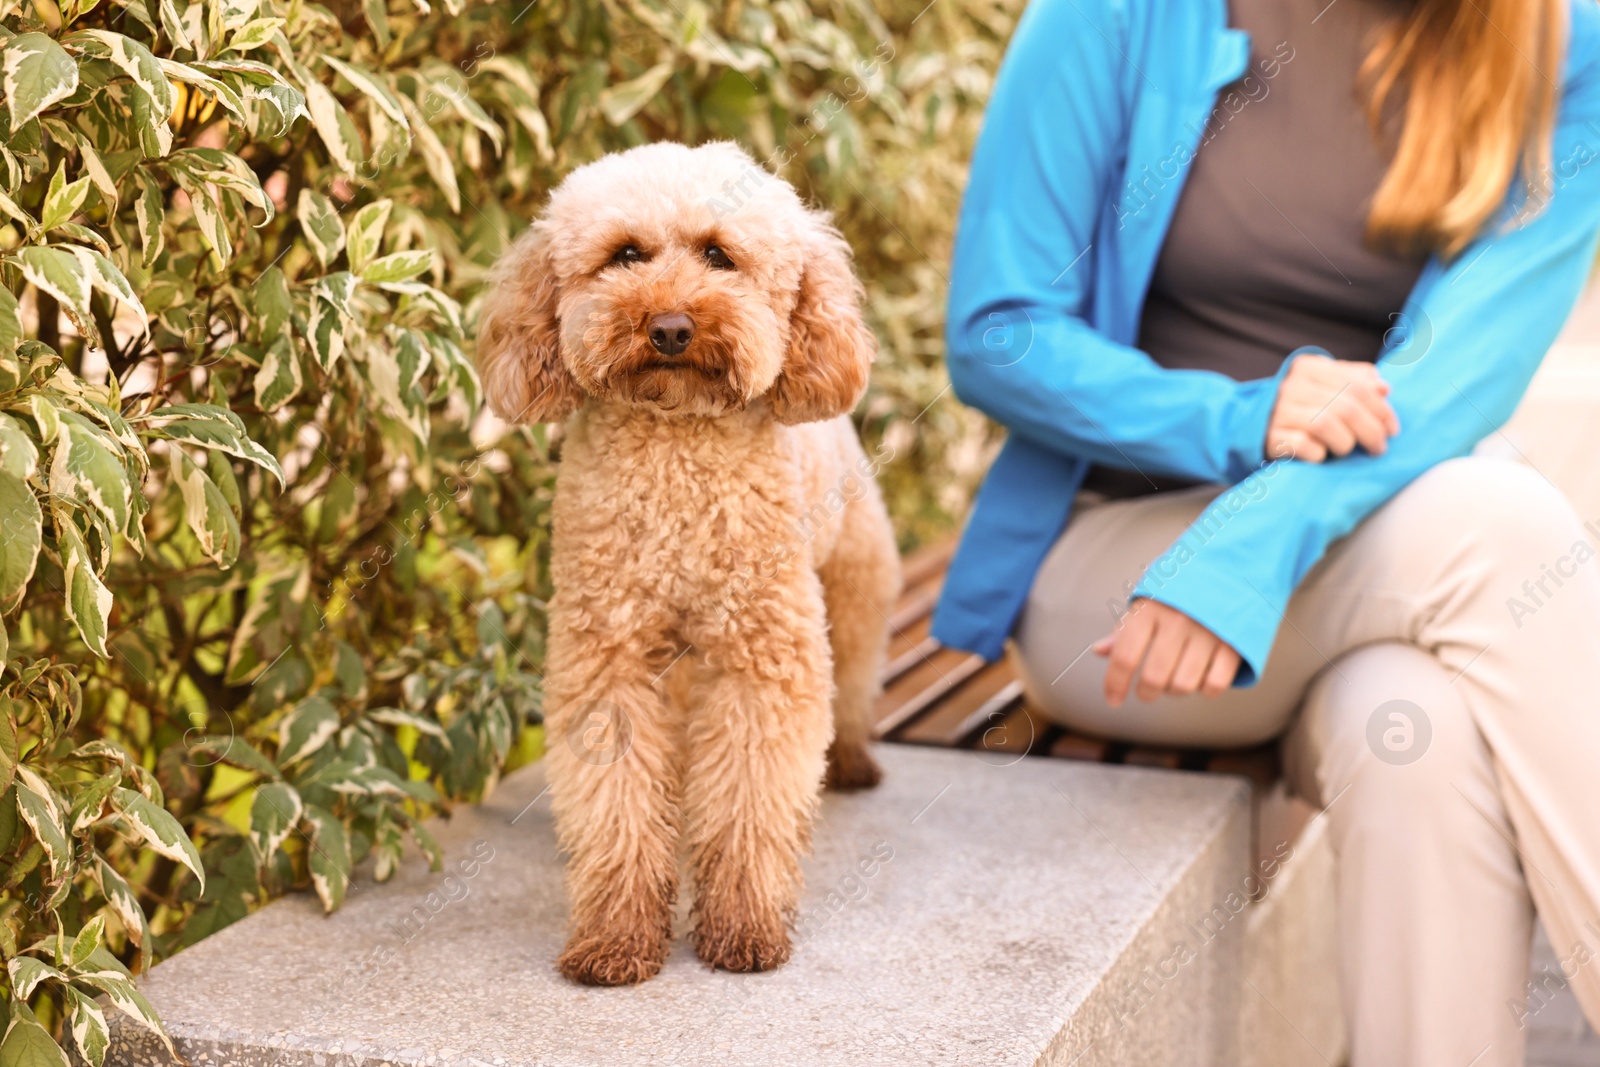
687, 280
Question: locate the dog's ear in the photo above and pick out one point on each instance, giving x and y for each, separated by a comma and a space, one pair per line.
830, 348
519, 343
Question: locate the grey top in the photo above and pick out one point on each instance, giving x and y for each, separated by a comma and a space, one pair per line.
1266, 251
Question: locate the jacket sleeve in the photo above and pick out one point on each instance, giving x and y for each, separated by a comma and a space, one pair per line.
1477, 331
1020, 347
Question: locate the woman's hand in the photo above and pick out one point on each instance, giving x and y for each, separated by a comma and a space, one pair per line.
1179, 655
1330, 405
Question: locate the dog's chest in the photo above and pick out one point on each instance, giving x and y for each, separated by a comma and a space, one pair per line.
683, 514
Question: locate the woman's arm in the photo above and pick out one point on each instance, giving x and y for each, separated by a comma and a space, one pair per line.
1481, 328
1043, 181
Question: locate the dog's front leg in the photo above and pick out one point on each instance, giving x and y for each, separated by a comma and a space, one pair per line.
757, 740
613, 771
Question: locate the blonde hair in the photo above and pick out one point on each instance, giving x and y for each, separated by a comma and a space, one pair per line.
1478, 78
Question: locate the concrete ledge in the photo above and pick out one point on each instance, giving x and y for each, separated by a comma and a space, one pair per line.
1291, 1014
965, 914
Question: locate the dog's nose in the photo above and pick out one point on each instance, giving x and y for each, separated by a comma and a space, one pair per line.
671, 333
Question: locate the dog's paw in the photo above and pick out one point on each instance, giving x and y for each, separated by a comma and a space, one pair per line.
612, 961
739, 947
851, 767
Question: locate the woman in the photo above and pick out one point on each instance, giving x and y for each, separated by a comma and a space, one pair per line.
1171, 199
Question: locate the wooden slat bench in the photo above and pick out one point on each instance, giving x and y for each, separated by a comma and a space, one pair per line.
938, 696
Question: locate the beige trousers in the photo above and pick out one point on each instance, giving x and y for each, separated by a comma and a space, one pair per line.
1443, 661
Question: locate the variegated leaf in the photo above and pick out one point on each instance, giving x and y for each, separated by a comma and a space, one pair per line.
369, 86
88, 1025
125, 903
83, 235
37, 73
203, 412
397, 266
336, 289
42, 810
279, 380
213, 87
21, 521
207, 215
14, 210
18, 456
388, 846
63, 199
274, 307
366, 233
104, 276
88, 805
395, 374
151, 127
95, 168
212, 166
236, 13
372, 782
87, 468
326, 335
435, 157
10, 750
399, 717
329, 859
26, 974
253, 34
88, 939
306, 729
47, 415
287, 102
150, 214
450, 84
159, 829
61, 274
619, 103
319, 221
106, 419
126, 998
172, 23
274, 813
207, 511
333, 125
88, 600
235, 751
134, 60
521, 94
229, 439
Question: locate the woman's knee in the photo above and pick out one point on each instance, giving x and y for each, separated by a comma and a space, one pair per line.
1385, 724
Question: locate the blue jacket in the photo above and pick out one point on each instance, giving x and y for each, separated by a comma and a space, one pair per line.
1097, 111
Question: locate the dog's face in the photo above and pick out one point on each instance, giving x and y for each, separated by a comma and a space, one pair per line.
685, 280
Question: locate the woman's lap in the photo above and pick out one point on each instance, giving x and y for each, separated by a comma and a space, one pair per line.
1381, 583
1081, 594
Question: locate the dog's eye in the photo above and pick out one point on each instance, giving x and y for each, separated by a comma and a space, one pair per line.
717, 258
628, 254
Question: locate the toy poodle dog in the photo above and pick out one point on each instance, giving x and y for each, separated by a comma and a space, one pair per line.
723, 564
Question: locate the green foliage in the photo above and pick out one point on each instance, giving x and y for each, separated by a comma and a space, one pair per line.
271, 587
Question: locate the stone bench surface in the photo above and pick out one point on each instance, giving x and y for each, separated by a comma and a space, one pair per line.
964, 913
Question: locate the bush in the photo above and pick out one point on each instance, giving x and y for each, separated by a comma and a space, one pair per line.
272, 587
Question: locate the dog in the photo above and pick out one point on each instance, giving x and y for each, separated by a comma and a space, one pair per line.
723, 564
